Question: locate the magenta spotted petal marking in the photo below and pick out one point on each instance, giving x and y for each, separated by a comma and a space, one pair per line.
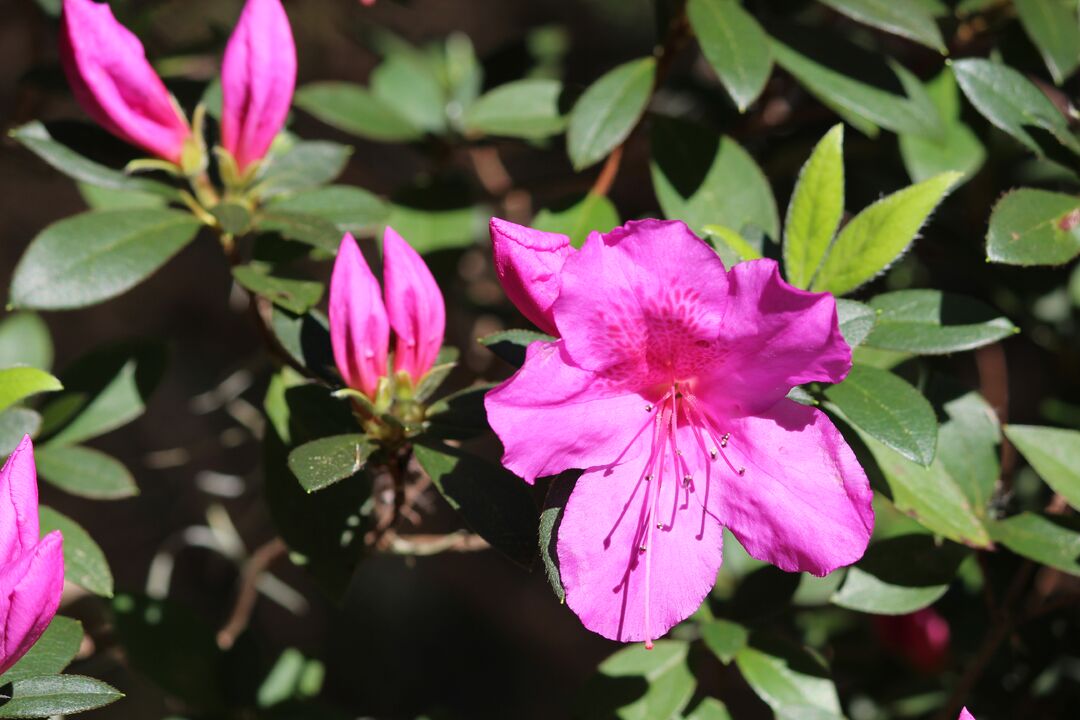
667, 387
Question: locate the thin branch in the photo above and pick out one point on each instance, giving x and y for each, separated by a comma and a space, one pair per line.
423, 545
259, 562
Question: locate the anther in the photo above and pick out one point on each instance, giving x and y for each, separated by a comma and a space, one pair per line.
713, 453
687, 479
659, 525
679, 453
642, 547
648, 408
742, 471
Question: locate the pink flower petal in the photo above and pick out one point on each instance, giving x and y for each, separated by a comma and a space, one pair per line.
30, 590
18, 503
552, 416
414, 304
359, 330
108, 72
258, 76
965, 715
803, 501
528, 262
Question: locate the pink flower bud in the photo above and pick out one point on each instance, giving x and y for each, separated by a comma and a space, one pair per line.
258, 76
359, 330
108, 72
415, 305
528, 262
31, 570
921, 638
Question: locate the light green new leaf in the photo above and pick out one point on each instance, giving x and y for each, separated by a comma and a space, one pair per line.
53, 651
25, 340
1054, 28
323, 462
665, 681
958, 149
84, 563
85, 472
879, 234
930, 322
732, 247
904, 19
608, 110
51, 695
735, 45
1034, 227
592, 213
353, 109
1052, 541
817, 204
526, 109
792, 680
18, 383
1055, 455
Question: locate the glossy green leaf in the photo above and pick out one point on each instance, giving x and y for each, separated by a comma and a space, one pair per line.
903, 19
353, 109
591, 213
817, 204
794, 682
1053, 541
84, 563
735, 45
309, 229
958, 149
409, 85
705, 179
930, 322
53, 652
350, 209
15, 422
640, 684
510, 345
304, 165
967, 446
50, 695
724, 638
526, 109
709, 709
323, 462
1034, 227
608, 110
296, 296
85, 472
1055, 455
1012, 102
25, 340
92, 257
856, 320
18, 383
878, 235
1054, 28
888, 409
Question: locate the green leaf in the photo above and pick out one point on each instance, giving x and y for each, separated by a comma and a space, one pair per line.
1012, 102
350, 209
323, 462
459, 415
888, 409
958, 149
930, 322
25, 340
84, 563
232, 217
296, 296
16, 422
1034, 227
879, 234
306, 164
408, 84
35, 137
1055, 455
18, 383
900, 575
527, 109
95, 256
494, 502
307, 339
99, 198
709, 709
856, 320
309, 229
724, 638
906, 20
1053, 26
51, 695
967, 446
735, 45
1052, 541
591, 213
510, 345
732, 247
353, 109
608, 110
53, 652
440, 215
704, 179
550, 520
85, 472
640, 684
817, 204
794, 682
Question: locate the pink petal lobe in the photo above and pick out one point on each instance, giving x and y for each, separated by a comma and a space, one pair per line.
359, 330
803, 501
110, 77
552, 416
965, 715
606, 575
18, 503
258, 76
30, 590
414, 304
528, 262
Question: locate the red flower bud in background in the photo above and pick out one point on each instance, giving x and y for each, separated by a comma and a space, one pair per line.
921, 638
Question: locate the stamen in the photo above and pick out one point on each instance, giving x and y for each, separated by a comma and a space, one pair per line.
648, 408
687, 479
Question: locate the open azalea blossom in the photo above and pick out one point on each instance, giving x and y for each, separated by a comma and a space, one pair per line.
667, 386
31, 567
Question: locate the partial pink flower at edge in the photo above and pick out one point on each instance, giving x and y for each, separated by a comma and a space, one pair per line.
31, 570
415, 306
965, 715
667, 387
106, 66
258, 76
921, 638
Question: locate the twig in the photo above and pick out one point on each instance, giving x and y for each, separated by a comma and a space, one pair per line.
259, 562
423, 545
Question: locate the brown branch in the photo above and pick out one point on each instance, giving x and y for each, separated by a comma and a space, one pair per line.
259, 562
423, 545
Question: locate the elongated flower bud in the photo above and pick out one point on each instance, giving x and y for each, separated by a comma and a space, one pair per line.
415, 306
258, 76
108, 72
31, 570
528, 262
359, 330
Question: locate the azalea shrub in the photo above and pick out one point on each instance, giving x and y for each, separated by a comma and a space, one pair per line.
684, 359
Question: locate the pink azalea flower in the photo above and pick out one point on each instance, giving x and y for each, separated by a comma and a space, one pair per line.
258, 76
921, 638
667, 387
31, 569
108, 72
360, 322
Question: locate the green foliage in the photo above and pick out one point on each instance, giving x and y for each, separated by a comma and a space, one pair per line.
85, 472
50, 695
930, 322
606, 113
791, 679
910, 21
1055, 455
593, 213
323, 462
527, 109
53, 652
1054, 28
735, 46
1034, 227
638, 684
356, 110
817, 204
958, 149
84, 563
18, 383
